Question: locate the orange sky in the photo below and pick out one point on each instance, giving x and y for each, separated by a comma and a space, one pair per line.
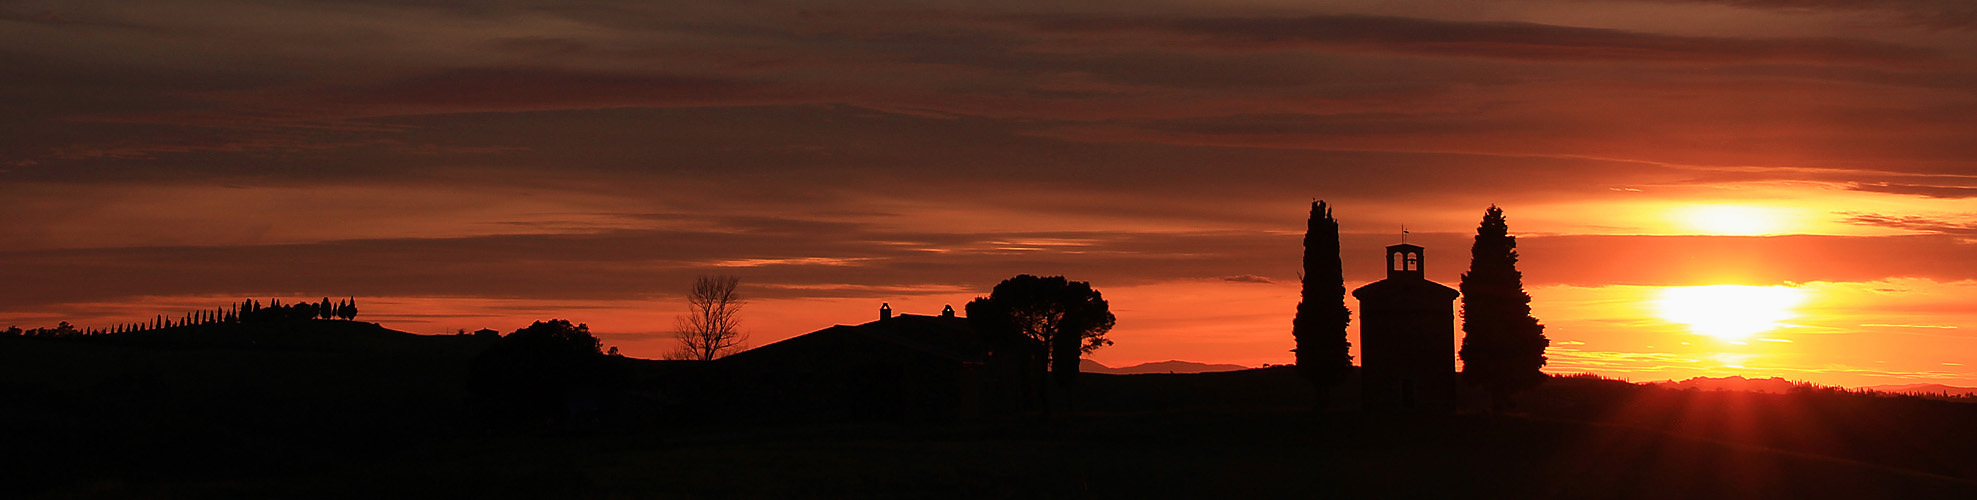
495, 163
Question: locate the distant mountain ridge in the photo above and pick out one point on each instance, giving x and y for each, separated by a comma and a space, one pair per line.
1774, 385
1170, 366
1778, 385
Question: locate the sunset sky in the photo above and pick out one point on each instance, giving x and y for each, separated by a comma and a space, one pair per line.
484, 164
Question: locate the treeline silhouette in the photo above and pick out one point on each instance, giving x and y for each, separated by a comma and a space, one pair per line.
249, 311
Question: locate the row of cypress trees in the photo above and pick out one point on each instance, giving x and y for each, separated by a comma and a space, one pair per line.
247, 311
1503, 346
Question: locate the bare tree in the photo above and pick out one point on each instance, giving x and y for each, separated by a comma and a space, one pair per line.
709, 329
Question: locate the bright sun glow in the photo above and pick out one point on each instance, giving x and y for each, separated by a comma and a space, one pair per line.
1732, 219
1729, 312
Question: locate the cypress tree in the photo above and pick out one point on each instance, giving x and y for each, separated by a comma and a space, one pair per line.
1503, 346
1323, 353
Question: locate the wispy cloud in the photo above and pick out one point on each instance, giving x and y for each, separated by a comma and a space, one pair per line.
1938, 14
1924, 190
1507, 40
1247, 278
1914, 223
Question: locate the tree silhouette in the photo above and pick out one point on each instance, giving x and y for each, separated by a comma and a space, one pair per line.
1323, 353
709, 329
1053, 321
556, 337
1502, 345
532, 374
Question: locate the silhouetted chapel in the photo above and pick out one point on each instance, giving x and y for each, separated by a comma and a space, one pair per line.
1407, 338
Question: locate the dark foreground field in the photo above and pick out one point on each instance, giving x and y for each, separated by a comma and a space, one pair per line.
387, 418
1251, 454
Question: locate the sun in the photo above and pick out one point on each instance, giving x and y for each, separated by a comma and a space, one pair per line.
1729, 312
1733, 219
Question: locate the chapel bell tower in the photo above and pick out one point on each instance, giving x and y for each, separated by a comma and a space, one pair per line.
1407, 338
1404, 260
